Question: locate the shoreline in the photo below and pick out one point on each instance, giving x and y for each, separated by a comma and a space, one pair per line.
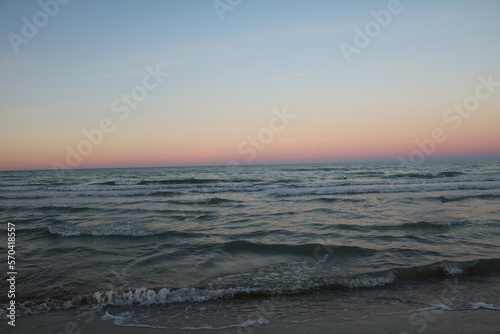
456, 305
468, 321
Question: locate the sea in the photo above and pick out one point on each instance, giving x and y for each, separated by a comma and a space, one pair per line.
234, 247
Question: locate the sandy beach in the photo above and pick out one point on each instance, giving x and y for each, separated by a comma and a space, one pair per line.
473, 321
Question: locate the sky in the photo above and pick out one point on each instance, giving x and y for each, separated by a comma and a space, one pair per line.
90, 84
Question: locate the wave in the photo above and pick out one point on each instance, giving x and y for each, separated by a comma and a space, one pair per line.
445, 199
158, 185
305, 249
162, 193
336, 199
115, 230
117, 183
371, 174
179, 181
319, 169
280, 181
91, 188
23, 197
173, 182
435, 224
482, 267
143, 296
63, 208
411, 226
49, 208
136, 194
349, 187
207, 201
375, 190
428, 175
147, 297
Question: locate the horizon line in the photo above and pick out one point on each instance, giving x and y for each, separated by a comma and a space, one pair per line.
429, 159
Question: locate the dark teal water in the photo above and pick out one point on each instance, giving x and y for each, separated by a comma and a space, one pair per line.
144, 236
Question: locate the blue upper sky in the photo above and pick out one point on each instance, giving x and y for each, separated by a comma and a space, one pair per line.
262, 55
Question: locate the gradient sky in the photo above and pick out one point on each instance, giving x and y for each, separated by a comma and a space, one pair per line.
227, 76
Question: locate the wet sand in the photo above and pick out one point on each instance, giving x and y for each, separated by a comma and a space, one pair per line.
470, 321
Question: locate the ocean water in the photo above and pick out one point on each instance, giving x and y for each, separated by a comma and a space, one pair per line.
171, 247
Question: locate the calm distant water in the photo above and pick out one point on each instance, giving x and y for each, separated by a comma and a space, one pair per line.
132, 237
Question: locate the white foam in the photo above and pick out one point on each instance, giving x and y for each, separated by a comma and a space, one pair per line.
450, 223
117, 229
438, 307
30, 308
120, 319
479, 305
425, 309
122, 316
368, 282
143, 296
248, 323
453, 269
